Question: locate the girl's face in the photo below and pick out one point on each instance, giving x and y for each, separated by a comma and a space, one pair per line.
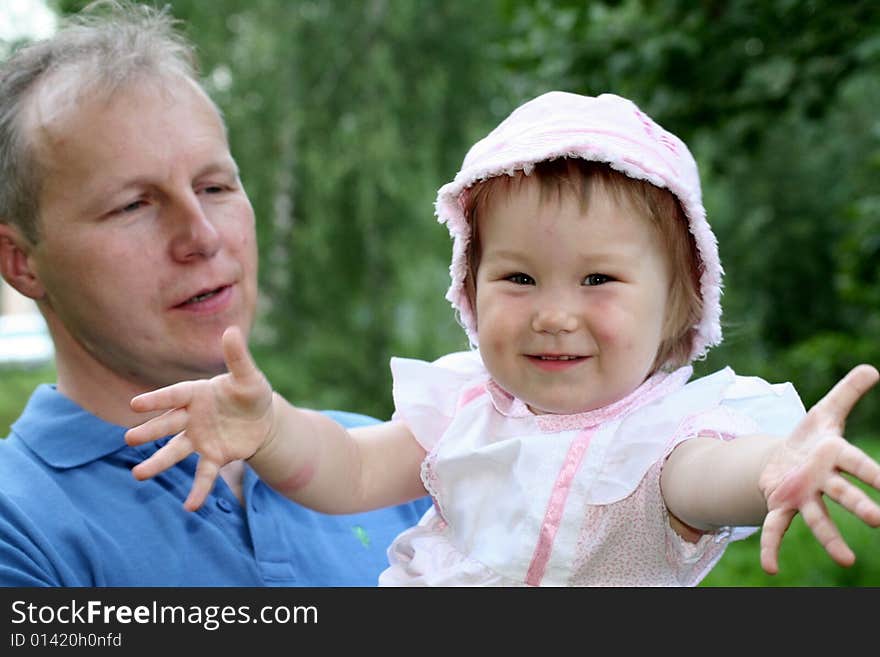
570, 304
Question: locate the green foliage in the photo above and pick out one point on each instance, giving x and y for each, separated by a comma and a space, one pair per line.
344, 122
776, 99
345, 117
16, 385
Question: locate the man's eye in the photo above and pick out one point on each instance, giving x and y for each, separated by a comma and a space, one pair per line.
132, 207
520, 279
596, 279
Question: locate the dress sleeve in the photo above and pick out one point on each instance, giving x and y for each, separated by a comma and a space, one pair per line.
775, 408
747, 406
721, 405
426, 395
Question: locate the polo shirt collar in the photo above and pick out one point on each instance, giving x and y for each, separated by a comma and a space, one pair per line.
63, 434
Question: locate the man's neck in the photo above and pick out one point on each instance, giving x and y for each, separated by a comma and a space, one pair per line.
233, 475
107, 395
100, 392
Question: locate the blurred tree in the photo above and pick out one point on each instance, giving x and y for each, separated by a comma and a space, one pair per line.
775, 98
346, 117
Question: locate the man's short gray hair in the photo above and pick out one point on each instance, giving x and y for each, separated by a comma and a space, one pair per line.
102, 48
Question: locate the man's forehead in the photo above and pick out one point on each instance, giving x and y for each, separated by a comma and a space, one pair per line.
71, 126
64, 93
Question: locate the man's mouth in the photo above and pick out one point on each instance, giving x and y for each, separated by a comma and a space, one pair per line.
203, 296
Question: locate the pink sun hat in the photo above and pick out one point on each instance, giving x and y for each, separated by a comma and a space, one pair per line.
605, 128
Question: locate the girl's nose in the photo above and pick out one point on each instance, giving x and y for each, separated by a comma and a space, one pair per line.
554, 320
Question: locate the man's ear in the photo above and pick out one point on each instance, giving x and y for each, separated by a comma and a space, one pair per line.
15, 265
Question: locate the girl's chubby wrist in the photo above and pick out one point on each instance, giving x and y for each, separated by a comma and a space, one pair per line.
767, 479
274, 412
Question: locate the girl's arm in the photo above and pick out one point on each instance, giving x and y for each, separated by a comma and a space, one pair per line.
318, 463
756, 480
303, 454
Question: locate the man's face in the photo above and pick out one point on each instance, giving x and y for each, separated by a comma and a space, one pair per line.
147, 249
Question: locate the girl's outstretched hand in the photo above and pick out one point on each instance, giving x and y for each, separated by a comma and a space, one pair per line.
811, 463
226, 418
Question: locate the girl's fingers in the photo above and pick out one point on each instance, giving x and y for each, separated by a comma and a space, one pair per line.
816, 516
171, 422
177, 449
775, 525
238, 359
853, 499
203, 482
859, 464
836, 405
173, 396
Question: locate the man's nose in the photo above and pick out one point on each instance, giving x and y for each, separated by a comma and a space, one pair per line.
194, 234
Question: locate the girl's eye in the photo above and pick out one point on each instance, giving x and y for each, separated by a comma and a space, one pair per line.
596, 279
520, 279
213, 189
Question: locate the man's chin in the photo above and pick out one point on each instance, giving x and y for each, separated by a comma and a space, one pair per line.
189, 372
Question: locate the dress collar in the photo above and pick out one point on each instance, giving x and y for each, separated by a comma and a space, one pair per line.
656, 386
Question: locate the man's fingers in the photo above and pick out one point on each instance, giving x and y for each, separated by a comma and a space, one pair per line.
837, 404
238, 359
173, 396
171, 422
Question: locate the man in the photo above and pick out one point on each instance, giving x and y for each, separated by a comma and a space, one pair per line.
123, 216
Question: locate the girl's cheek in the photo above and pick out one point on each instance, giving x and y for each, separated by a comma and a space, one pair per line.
605, 323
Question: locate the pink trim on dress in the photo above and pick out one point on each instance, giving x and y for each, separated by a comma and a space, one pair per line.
656, 387
556, 506
471, 394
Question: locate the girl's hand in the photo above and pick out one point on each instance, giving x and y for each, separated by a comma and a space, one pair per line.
226, 418
810, 464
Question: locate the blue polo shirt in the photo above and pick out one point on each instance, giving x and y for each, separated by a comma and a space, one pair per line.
72, 514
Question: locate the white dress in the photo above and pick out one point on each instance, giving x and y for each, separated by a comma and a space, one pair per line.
562, 500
